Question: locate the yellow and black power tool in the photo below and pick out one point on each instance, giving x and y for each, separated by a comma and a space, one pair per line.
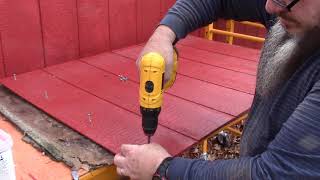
152, 87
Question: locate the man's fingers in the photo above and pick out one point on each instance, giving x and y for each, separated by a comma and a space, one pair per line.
127, 148
119, 161
121, 172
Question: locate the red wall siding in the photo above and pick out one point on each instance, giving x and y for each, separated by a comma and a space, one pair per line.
148, 14
21, 38
165, 5
2, 72
60, 30
123, 23
93, 26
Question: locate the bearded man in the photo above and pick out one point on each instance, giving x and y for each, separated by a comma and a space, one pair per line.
281, 138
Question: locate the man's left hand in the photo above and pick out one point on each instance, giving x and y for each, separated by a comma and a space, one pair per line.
139, 161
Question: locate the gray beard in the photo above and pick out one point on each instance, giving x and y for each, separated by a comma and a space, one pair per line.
281, 56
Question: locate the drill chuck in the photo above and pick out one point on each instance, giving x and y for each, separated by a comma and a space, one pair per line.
149, 120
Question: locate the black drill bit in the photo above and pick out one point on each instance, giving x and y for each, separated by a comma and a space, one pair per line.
149, 139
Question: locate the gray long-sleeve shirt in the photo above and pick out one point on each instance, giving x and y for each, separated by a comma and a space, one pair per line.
281, 139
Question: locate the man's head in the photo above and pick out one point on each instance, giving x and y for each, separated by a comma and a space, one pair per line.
303, 16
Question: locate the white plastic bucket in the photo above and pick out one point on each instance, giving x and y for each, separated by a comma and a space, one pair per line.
7, 171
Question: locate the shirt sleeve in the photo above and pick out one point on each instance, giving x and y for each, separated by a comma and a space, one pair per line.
293, 154
188, 15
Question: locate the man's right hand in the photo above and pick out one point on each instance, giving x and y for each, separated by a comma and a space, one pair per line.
161, 42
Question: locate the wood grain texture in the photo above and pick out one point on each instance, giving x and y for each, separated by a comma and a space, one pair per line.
93, 26
60, 30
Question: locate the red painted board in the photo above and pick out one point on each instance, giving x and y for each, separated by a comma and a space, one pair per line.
148, 17
217, 97
131, 52
22, 38
226, 100
60, 30
218, 60
123, 23
208, 73
222, 48
2, 72
110, 125
166, 5
185, 117
219, 76
93, 26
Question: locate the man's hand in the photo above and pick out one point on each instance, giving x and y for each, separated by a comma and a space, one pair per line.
139, 161
161, 42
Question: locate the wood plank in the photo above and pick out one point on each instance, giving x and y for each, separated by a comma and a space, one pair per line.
93, 26
225, 99
222, 48
123, 23
148, 17
166, 5
60, 30
204, 72
183, 116
21, 37
218, 60
110, 125
2, 71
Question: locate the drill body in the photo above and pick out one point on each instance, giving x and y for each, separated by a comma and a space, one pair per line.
152, 87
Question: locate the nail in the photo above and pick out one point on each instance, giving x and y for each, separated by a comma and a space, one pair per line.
89, 118
46, 95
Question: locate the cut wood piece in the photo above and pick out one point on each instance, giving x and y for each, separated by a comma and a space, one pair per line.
123, 23
60, 30
180, 115
103, 122
93, 26
222, 48
21, 36
218, 60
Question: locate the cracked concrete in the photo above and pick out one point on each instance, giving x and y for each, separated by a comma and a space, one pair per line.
51, 137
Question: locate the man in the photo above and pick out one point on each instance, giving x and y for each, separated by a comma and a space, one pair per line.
281, 139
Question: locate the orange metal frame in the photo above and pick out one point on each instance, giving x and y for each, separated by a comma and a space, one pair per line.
210, 31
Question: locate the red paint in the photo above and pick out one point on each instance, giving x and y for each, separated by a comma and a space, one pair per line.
166, 5
123, 23
2, 73
93, 26
222, 48
218, 60
110, 125
21, 37
60, 30
149, 16
125, 95
71, 90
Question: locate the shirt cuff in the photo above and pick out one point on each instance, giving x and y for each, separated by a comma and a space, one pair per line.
178, 167
176, 25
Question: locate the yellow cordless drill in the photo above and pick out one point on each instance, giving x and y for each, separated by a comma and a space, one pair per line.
152, 87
